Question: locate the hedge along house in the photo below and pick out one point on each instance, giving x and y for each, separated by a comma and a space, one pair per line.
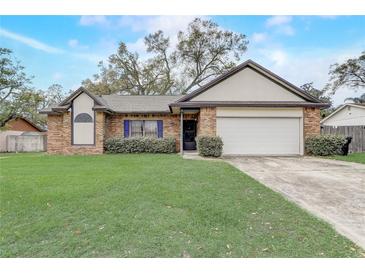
253, 110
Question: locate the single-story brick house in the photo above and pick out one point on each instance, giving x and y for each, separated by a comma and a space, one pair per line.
253, 110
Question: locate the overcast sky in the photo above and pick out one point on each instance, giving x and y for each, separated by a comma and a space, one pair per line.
66, 49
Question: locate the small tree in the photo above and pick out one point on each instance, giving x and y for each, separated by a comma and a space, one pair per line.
358, 100
321, 95
52, 96
13, 81
17, 97
29, 102
351, 74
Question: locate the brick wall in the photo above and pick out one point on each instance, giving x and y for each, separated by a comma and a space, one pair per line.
311, 121
19, 124
207, 121
107, 126
114, 125
59, 135
55, 134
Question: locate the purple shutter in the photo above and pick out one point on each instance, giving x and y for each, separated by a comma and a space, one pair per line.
126, 128
159, 128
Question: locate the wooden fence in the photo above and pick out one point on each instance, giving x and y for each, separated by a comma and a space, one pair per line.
356, 132
26, 143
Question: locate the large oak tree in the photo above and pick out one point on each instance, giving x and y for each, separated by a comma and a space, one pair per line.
321, 94
203, 51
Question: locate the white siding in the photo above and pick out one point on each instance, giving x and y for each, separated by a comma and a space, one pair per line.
348, 116
83, 133
258, 112
247, 85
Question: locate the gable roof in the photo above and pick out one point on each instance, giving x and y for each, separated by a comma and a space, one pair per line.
66, 103
119, 103
14, 117
259, 69
341, 108
76, 93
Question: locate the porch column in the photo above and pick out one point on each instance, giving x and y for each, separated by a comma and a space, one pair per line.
181, 131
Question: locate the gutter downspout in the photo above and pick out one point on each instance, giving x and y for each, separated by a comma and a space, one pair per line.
181, 131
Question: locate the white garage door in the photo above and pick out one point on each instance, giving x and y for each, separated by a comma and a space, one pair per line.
259, 136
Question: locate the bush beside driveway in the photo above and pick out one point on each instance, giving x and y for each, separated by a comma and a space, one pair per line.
150, 206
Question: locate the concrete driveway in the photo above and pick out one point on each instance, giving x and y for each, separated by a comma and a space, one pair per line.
332, 190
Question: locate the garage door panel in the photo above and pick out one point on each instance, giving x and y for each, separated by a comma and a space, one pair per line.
260, 136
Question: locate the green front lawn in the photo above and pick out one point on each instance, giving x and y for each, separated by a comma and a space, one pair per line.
150, 206
353, 157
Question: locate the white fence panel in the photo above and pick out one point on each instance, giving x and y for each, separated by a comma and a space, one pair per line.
26, 143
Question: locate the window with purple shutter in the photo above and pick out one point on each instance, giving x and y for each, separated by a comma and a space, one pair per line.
126, 128
160, 129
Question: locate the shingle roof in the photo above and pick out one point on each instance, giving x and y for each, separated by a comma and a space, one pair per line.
120, 103
54, 109
139, 103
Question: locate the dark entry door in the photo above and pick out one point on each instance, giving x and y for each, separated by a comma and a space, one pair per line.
189, 134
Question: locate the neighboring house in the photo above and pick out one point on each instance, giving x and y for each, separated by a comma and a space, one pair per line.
347, 120
349, 114
17, 126
254, 111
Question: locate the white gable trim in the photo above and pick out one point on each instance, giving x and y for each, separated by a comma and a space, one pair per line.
76, 93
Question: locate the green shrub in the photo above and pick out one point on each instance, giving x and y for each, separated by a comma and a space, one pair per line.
210, 146
140, 145
324, 145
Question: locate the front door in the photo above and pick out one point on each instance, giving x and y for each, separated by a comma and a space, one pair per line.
189, 134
